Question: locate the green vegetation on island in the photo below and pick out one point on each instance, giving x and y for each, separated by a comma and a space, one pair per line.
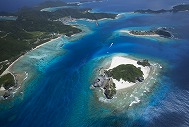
149, 11
177, 8
144, 63
163, 32
3, 66
182, 7
33, 27
127, 72
7, 81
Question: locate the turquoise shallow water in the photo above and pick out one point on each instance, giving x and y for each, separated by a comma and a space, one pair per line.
60, 94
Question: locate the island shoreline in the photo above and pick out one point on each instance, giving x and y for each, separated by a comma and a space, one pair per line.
119, 60
85, 31
149, 81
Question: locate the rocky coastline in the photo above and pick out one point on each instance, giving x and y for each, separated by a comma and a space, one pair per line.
105, 78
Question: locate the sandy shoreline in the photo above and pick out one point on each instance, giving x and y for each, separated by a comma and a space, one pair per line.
22, 76
19, 77
8, 69
59, 36
118, 60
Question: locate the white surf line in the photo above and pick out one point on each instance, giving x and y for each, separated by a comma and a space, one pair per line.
137, 100
26, 76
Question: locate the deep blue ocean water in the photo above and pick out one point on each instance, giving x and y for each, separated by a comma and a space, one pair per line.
61, 96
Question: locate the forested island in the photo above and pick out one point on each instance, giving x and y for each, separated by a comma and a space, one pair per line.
162, 32
33, 27
122, 73
177, 8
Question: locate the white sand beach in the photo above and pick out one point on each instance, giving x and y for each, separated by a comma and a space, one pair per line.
8, 69
118, 60
2, 88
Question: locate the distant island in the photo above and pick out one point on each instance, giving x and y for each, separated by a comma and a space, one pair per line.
122, 73
162, 32
85, 1
175, 9
33, 27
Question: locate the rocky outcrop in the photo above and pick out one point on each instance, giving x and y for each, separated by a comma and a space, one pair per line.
109, 88
106, 83
144, 63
